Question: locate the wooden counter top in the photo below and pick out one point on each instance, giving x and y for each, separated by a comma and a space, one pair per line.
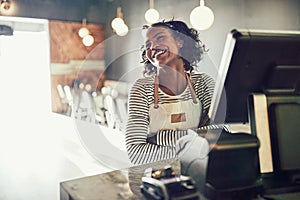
119, 184
125, 184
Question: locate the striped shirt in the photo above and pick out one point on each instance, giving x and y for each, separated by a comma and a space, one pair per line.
141, 97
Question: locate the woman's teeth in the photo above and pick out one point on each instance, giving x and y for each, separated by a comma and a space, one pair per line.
157, 53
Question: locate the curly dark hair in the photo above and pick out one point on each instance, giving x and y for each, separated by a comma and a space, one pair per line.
191, 52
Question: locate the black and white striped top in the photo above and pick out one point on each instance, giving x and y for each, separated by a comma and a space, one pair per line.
140, 98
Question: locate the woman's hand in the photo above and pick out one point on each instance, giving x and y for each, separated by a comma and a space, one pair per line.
192, 145
191, 149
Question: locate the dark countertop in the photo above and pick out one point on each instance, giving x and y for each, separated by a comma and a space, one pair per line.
125, 184
119, 184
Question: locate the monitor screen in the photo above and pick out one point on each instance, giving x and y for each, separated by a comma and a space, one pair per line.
254, 61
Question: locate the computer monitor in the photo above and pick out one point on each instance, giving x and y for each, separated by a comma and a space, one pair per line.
249, 56
259, 83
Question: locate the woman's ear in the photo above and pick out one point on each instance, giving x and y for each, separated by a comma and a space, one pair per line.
179, 43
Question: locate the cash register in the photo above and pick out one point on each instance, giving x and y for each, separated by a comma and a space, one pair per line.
258, 86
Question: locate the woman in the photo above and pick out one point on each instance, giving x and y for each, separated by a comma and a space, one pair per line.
171, 98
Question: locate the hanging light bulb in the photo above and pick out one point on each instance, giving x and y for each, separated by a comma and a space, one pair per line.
7, 7
201, 17
88, 40
151, 15
5, 4
122, 30
118, 24
118, 21
83, 31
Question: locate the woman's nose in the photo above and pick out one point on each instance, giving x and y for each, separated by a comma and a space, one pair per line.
154, 45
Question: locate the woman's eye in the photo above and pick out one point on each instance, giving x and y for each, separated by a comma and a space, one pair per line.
147, 45
160, 38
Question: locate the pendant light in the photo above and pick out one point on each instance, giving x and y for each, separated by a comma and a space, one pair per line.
202, 17
88, 40
7, 7
151, 15
118, 21
84, 33
118, 25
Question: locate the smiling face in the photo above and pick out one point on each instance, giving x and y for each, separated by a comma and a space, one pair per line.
162, 47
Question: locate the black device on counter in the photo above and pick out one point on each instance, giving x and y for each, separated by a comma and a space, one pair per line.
164, 184
231, 168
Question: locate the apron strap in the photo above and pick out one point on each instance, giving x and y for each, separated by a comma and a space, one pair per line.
156, 83
156, 92
194, 96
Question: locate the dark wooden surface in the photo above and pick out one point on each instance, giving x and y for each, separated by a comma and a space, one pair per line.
125, 184
119, 184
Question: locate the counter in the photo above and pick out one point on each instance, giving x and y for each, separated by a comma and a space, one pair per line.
118, 184
125, 184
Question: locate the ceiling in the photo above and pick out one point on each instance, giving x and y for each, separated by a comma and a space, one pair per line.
95, 11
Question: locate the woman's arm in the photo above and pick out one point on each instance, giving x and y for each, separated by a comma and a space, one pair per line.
166, 137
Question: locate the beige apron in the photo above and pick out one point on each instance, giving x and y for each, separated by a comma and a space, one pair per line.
181, 115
